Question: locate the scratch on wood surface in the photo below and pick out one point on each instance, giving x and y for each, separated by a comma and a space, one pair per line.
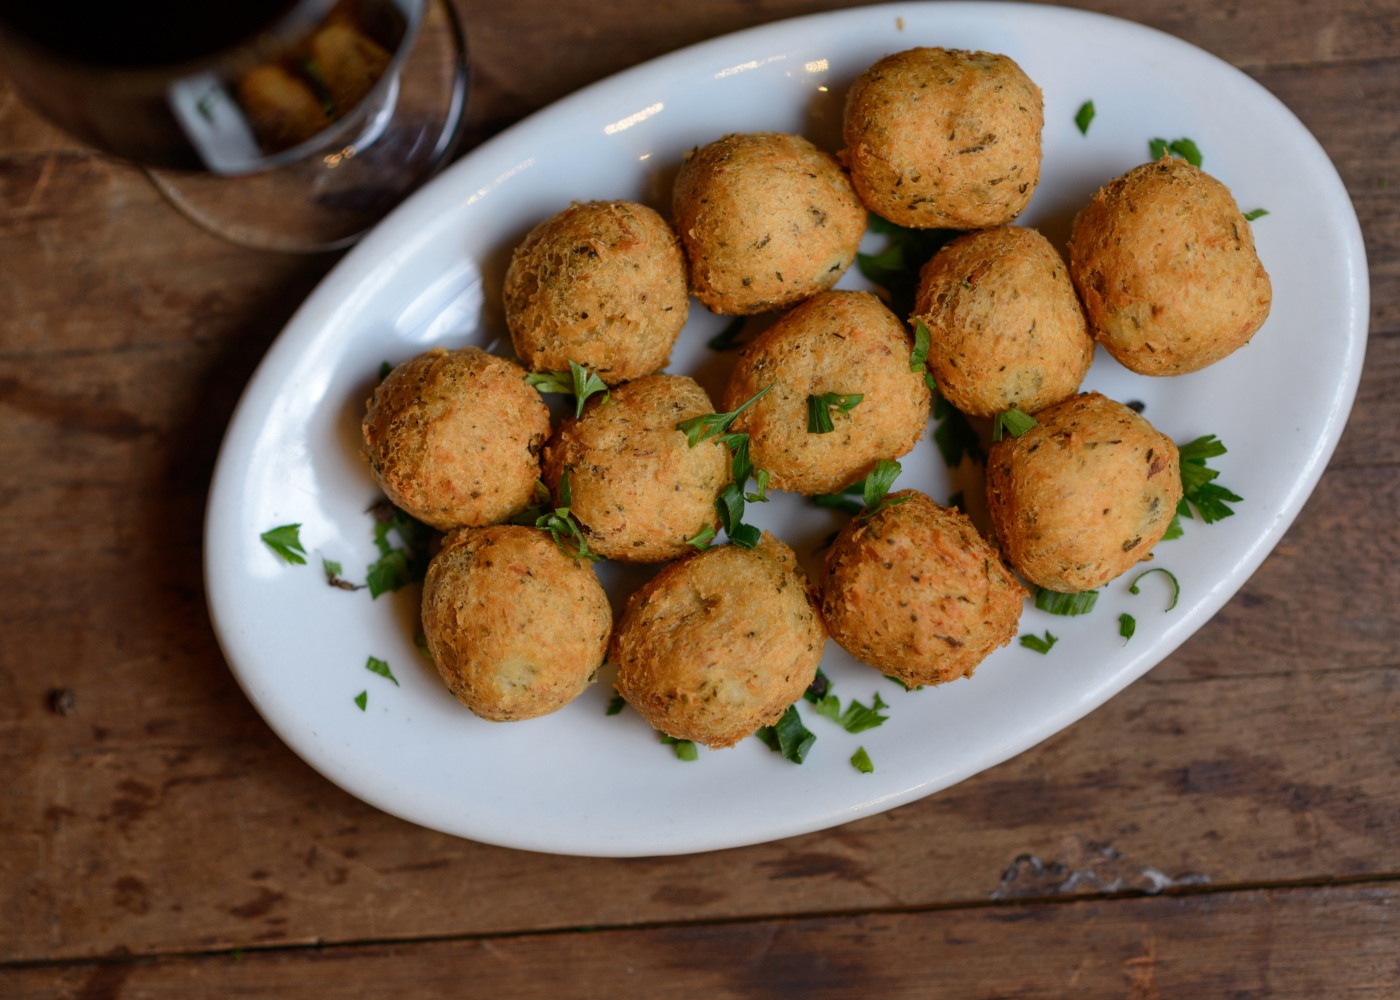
41, 184
1086, 865
1141, 972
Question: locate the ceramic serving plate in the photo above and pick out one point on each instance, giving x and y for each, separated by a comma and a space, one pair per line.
585, 782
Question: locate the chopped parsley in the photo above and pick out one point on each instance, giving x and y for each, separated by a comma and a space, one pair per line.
285, 540
954, 435
1040, 645
617, 704
1256, 213
1084, 116
877, 485
1127, 625
843, 500
1184, 148
709, 425
896, 267
397, 566
728, 338
730, 505
788, 736
1176, 586
333, 577
578, 381
1198, 486
819, 409
377, 666
918, 358
1057, 603
685, 749
860, 760
562, 527
362, 699
856, 718
1013, 422
702, 538
384, 369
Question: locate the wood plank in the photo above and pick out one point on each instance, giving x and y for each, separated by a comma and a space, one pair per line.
229, 841
1336, 942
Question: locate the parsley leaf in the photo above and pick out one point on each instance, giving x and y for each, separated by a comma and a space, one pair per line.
877, 486
954, 434
562, 527
1176, 586
377, 666
1127, 625
819, 409
860, 760
788, 736
1057, 603
1084, 116
578, 381
730, 505
918, 357
285, 540
1199, 490
1256, 213
617, 704
1038, 644
708, 425
1013, 422
362, 699
840, 501
397, 567
685, 749
1184, 148
702, 538
896, 267
333, 577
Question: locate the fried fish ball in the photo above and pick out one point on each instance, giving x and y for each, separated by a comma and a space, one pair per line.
516, 628
1006, 328
601, 283
914, 591
944, 138
720, 643
1165, 264
838, 342
636, 486
349, 62
1084, 494
282, 108
454, 437
767, 219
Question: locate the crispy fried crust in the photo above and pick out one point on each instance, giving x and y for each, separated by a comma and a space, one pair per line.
1084, 495
1164, 262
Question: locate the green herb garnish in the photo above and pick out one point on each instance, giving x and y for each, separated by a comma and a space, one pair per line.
420, 642
954, 435
384, 369
1174, 529
562, 527
1257, 213
333, 577
1084, 116
578, 381
1038, 644
788, 736
819, 409
918, 358
860, 760
730, 505
617, 704
1127, 625
362, 699
896, 267
1184, 148
377, 666
1013, 422
857, 718
1199, 490
841, 501
285, 540
397, 566
685, 749
728, 338
1057, 603
702, 538
877, 486
709, 425
1176, 586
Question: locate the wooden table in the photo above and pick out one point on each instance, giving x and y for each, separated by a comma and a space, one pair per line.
1227, 826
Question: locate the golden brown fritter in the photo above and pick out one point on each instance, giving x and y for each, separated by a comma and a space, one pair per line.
454, 437
767, 219
1084, 495
914, 591
943, 138
1165, 264
637, 487
601, 283
1006, 328
516, 628
837, 342
720, 643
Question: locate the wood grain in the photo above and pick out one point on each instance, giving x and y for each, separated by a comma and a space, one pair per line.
1226, 826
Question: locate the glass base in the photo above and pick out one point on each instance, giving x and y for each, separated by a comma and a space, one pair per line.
327, 202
